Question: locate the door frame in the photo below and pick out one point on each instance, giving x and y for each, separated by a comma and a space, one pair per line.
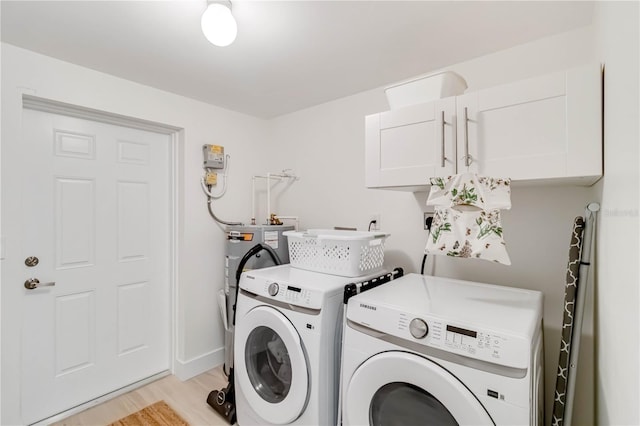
176, 136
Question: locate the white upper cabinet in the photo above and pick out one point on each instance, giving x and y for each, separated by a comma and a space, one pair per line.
405, 147
545, 129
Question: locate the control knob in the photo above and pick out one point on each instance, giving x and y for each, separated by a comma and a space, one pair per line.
273, 289
418, 328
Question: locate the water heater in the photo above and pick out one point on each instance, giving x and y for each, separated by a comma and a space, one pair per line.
241, 239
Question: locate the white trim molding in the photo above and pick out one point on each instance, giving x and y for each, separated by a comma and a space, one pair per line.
184, 370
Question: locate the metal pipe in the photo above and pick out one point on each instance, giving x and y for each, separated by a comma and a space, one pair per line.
253, 200
268, 177
268, 198
467, 158
443, 158
224, 222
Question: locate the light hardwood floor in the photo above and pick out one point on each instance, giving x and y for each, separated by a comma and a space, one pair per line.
188, 398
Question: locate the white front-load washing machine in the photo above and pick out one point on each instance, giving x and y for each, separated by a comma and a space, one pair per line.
424, 350
287, 346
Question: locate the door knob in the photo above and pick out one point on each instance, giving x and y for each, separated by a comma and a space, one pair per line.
33, 283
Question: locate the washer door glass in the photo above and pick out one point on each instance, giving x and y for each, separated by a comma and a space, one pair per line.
402, 388
271, 366
268, 364
404, 404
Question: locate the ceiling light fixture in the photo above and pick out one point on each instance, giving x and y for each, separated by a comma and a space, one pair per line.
218, 24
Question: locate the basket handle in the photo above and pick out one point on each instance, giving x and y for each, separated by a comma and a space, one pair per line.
361, 237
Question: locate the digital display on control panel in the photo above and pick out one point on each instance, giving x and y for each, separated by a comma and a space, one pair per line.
296, 289
459, 330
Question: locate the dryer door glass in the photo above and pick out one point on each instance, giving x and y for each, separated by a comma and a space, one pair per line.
268, 364
405, 404
271, 367
401, 388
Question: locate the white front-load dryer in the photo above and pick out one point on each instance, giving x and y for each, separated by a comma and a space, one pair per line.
424, 350
287, 346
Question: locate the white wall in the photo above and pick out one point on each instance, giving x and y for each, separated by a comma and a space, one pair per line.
1, 241
325, 145
201, 243
618, 369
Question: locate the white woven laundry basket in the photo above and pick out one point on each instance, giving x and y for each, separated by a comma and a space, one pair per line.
337, 252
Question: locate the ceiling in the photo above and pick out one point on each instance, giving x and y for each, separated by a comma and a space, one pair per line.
289, 55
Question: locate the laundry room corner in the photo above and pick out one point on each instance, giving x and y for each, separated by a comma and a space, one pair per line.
320, 212
326, 143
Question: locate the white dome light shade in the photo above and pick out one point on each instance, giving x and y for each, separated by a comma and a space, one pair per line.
218, 25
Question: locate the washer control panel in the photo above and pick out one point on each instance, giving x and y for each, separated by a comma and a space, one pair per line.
288, 293
283, 292
463, 340
444, 334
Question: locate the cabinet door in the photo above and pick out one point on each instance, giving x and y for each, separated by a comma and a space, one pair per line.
543, 128
407, 146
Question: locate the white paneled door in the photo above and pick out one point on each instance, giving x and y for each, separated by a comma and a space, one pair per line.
96, 216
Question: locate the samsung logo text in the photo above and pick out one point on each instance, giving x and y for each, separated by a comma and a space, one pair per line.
373, 308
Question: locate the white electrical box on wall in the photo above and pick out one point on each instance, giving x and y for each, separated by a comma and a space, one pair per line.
213, 156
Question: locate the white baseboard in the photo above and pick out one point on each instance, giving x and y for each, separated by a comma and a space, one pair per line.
184, 370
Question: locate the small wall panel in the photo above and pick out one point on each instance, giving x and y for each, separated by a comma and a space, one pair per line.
75, 332
74, 222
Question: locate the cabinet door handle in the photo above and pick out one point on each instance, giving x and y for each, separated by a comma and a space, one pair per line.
442, 158
467, 157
